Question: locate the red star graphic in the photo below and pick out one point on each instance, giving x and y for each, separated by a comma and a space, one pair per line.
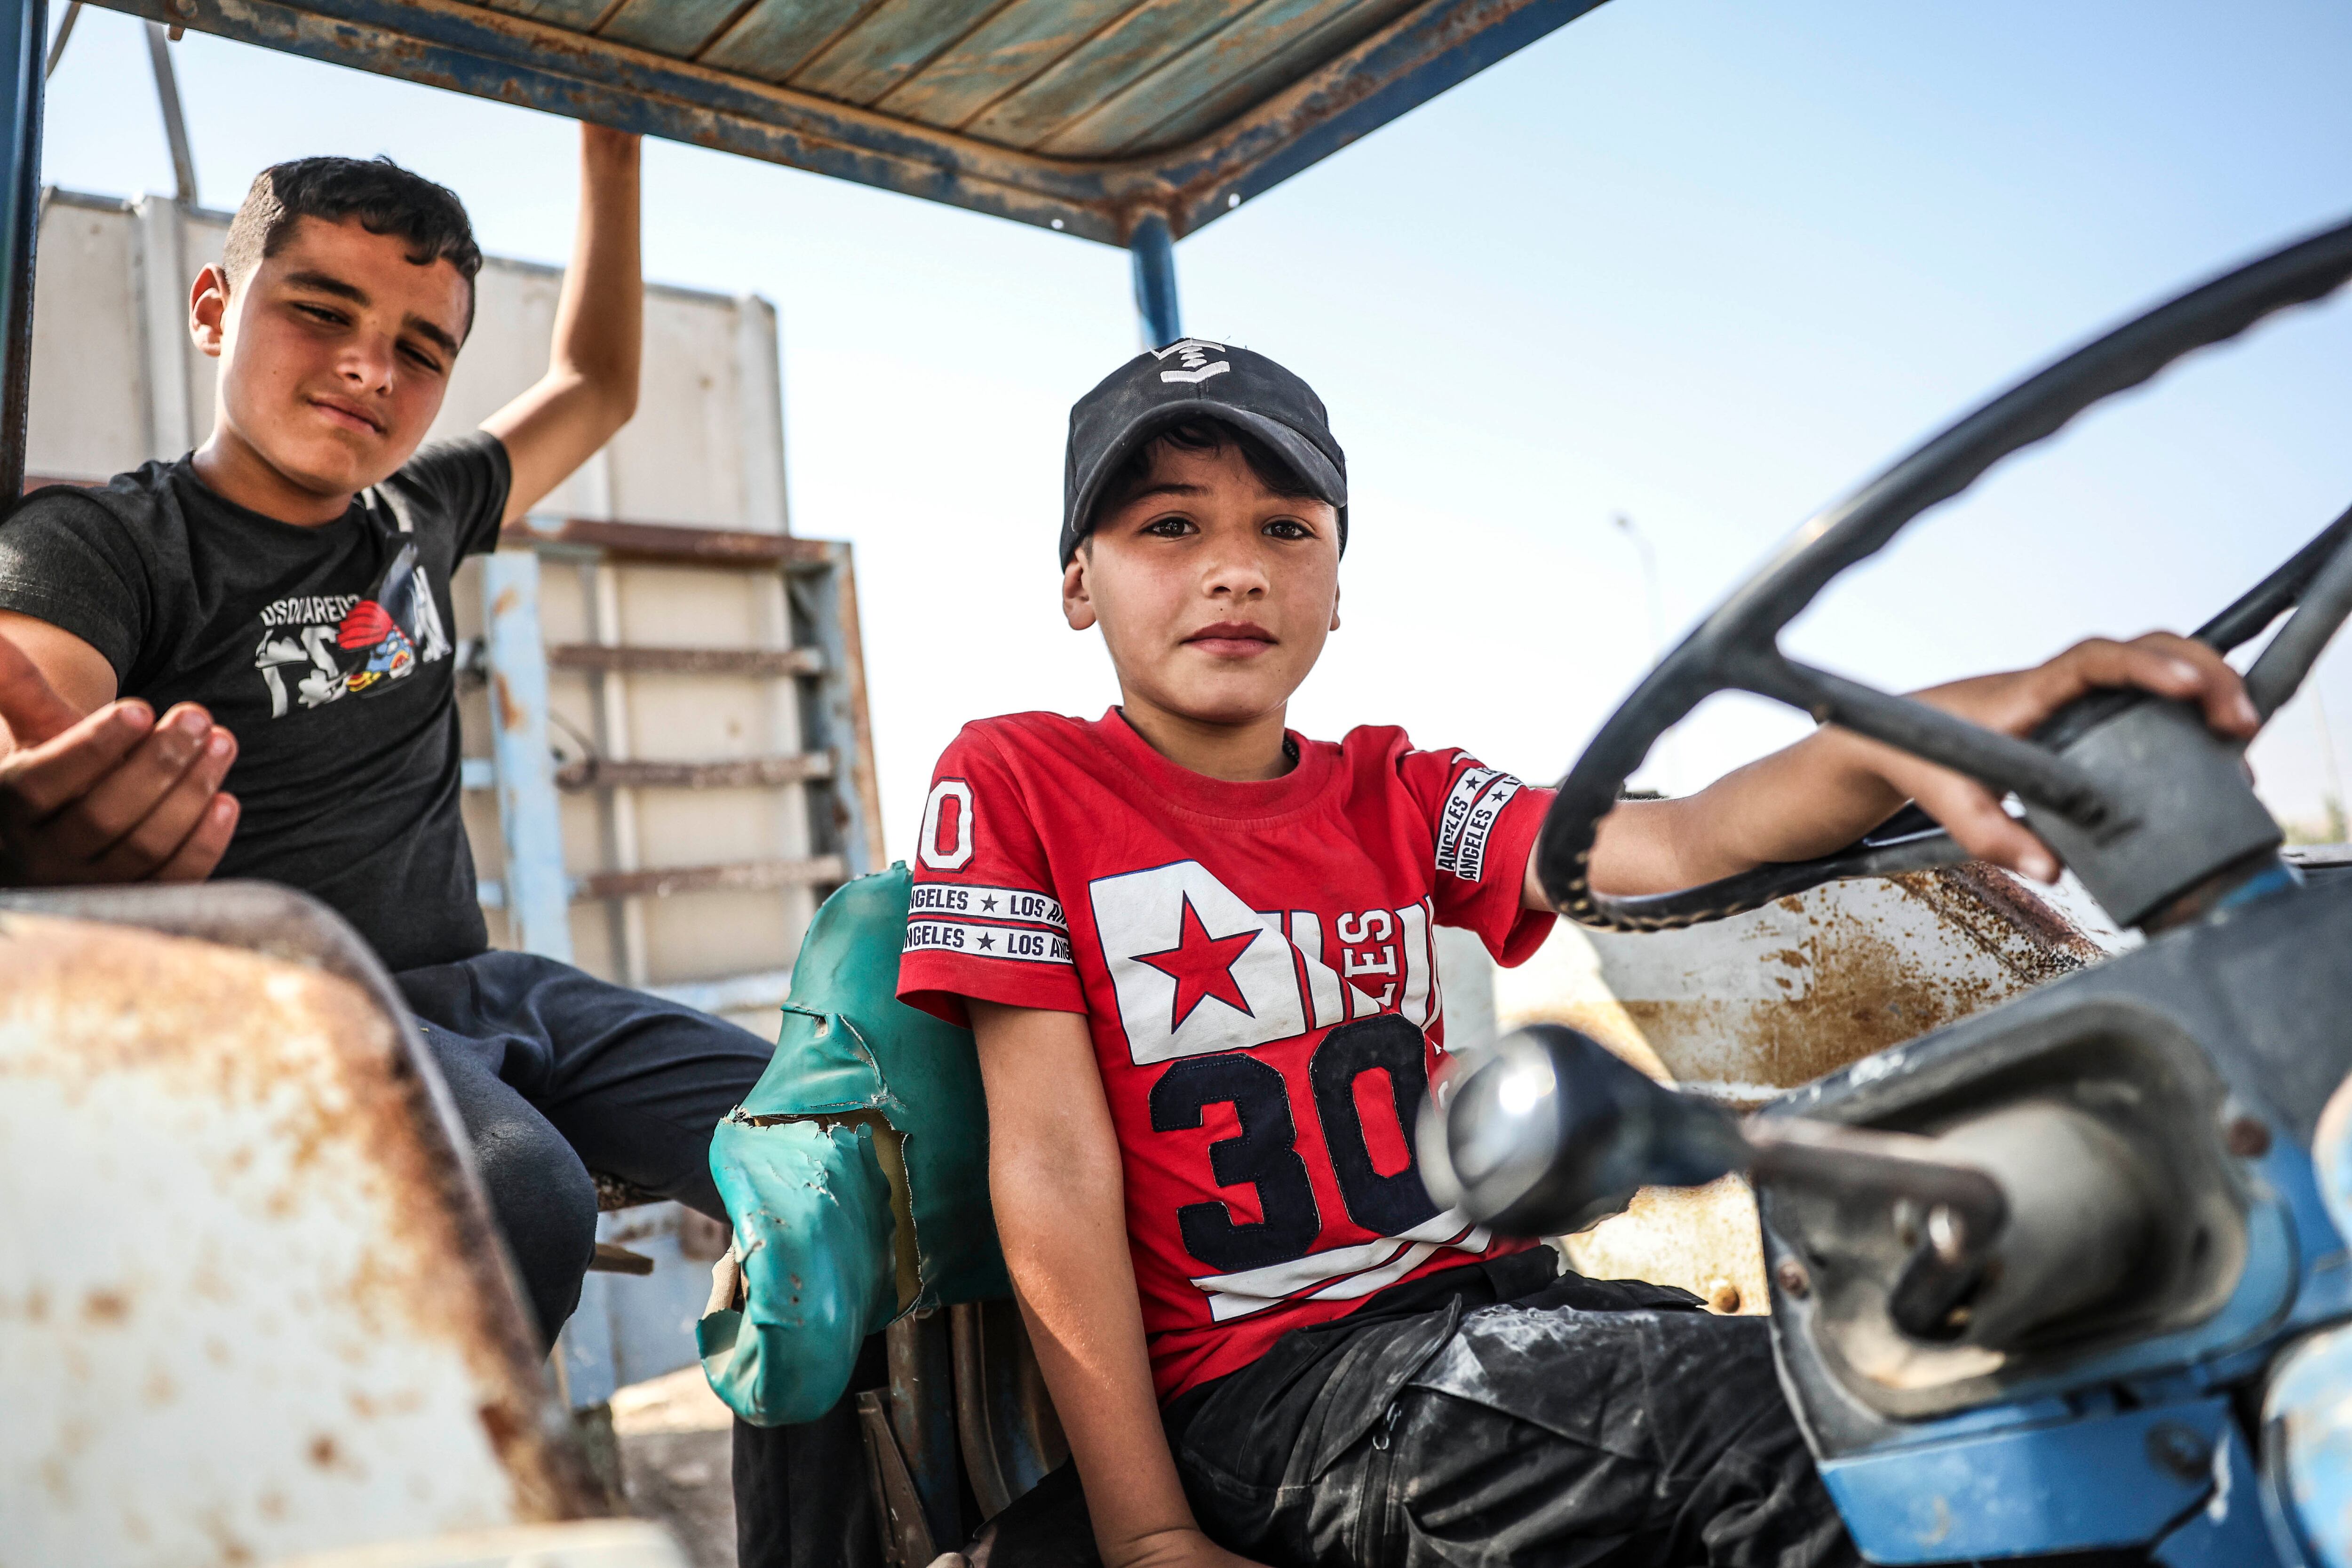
1202, 965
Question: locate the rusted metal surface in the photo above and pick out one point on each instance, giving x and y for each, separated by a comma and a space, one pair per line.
612, 1259
664, 542
756, 661
1743, 1008
754, 876
1080, 115
1763, 1002
750, 772
907, 1539
253, 1304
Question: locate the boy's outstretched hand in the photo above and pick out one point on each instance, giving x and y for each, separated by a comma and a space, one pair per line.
1826, 791
116, 796
2016, 703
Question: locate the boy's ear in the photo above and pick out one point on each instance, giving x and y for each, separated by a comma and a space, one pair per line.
1078, 602
1335, 607
208, 310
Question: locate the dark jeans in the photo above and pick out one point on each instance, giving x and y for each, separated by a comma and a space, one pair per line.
1492, 1417
1515, 1419
802, 1496
556, 1074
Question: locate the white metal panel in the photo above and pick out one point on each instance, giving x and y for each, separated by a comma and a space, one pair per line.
164, 288
758, 364
88, 416
682, 458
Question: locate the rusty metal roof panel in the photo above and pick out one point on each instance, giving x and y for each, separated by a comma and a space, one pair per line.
1083, 115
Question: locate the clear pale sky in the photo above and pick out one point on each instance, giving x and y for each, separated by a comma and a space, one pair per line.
1702, 263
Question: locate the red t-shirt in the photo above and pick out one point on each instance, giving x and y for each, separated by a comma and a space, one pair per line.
1255, 964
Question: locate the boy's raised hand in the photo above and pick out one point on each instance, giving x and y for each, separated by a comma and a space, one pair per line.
2017, 702
115, 797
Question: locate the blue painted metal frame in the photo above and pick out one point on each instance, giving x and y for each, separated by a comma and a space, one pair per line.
1154, 253
537, 894
2079, 1480
24, 34
2308, 1407
825, 596
2067, 1486
515, 60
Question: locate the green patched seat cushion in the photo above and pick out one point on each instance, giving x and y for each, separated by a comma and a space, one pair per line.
856, 1172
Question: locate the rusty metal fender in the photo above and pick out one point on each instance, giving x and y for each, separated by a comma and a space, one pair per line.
247, 1260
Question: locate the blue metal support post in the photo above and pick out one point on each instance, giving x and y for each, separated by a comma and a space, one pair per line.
24, 34
537, 895
1153, 251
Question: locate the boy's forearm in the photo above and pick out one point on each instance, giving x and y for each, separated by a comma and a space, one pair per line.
1076, 1290
589, 389
599, 318
1800, 802
1056, 1183
1803, 801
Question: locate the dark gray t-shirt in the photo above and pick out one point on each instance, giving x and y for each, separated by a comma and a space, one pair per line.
325, 651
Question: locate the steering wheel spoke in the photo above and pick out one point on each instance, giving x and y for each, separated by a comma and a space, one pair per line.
2002, 763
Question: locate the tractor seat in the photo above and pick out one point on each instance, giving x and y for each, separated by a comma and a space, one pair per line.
855, 1174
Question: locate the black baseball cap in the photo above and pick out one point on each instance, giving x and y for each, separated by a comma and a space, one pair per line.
1190, 379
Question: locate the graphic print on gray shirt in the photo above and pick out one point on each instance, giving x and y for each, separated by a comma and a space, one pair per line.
325, 651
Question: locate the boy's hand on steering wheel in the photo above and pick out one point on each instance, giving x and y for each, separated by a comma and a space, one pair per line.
117, 796
2019, 701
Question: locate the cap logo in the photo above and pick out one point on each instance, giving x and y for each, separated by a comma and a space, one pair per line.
1192, 353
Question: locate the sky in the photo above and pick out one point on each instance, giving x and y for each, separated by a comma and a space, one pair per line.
1700, 264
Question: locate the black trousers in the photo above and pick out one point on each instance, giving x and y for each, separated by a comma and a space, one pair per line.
1493, 1417
557, 1073
1518, 1419
802, 1496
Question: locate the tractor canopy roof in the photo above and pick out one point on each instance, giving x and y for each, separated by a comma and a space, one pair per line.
1091, 117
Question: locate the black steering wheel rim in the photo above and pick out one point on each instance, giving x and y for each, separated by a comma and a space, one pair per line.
1737, 645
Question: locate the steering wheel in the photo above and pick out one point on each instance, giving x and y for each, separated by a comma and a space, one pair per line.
2132, 791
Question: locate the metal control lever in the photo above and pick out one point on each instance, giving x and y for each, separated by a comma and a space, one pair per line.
2011, 1218
1545, 1131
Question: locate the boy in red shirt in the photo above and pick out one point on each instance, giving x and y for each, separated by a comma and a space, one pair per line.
1195, 948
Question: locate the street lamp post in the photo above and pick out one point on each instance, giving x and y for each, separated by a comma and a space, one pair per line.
1657, 593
